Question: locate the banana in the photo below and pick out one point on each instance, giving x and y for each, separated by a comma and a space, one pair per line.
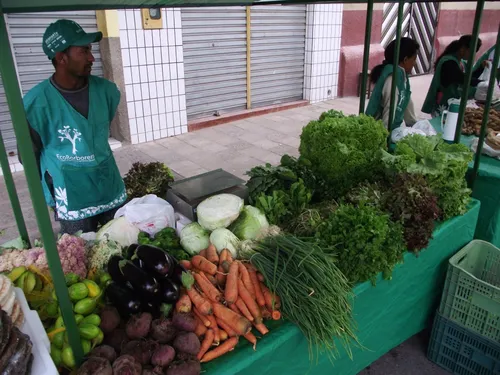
20, 281
16, 273
29, 283
38, 284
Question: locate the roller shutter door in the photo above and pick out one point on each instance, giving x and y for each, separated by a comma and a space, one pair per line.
277, 54
26, 32
214, 42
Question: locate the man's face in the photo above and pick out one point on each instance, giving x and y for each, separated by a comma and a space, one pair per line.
77, 61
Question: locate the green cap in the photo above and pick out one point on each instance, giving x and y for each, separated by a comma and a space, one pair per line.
63, 34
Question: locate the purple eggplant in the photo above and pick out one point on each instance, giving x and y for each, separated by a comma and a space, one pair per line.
177, 273
140, 280
114, 269
170, 291
155, 259
123, 299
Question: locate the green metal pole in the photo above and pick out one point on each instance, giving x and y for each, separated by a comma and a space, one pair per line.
14, 99
366, 55
11, 190
492, 83
396, 62
470, 65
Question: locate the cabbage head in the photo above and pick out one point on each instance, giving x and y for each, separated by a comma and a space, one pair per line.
194, 238
249, 224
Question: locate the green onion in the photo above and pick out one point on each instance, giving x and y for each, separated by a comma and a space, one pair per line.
314, 293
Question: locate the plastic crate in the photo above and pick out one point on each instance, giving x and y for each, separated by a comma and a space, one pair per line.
461, 351
471, 294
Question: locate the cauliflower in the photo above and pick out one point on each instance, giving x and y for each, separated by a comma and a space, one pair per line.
100, 253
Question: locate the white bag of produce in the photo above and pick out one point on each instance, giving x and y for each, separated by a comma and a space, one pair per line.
485, 75
487, 149
180, 222
219, 211
402, 131
149, 213
482, 92
119, 230
425, 126
194, 238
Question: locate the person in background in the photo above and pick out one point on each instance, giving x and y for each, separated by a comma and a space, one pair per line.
449, 75
69, 116
381, 76
488, 56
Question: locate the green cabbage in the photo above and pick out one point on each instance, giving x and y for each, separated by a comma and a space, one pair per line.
219, 211
249, 224
223, 238
194, 238
119, 230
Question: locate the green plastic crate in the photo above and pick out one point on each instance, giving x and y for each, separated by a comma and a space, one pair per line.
471, 295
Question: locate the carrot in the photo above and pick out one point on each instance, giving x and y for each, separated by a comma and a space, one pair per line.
201, 303
215, 328
245, 277
184, 303
186, 264
207, 288
261, 328
249, 302
223, 335
206, 344
238, 323
244, 309
201, 317
226, 265
260, 277
203, 253
276, 315
204, 265
251, 337
235, 308
200, 328
212, 255
223, 256
259, 296
231, 291
229, 257
226, 347
211, 279
265, 312
222, 324
220, 277
272, 301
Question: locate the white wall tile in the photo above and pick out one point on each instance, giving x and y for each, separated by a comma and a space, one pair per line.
171, 132
173, 71
143, 71
175, 88
135, 74
151, 73
129, 92
156, 122
142, 138
131, 109
150, 59
134, 139
123, 38
184, 129
154, 107
175, 103
138, 19
139, 111
159, 89
133, 126
163, 121
164, 37
152, 90
184, 118
156, 135
134, 61
148, 39
132, 40
122, 19
149, 137
156, 38
171, 37
139, 35
170, 19
177, 119
141, 128
137, 91
182, 102
167, 86
170, 120
142, 56
130, 20
166, 72
178, 37
148, 123
146, 105
157, 55
163, 133
177, 130
125, 57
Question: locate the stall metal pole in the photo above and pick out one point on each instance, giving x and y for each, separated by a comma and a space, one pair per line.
11, 190
470, 66
366, 56
395, 63
484, 125
15, 102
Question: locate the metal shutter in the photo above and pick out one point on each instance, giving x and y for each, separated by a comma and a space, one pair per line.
26, 32
277, 54
214, 42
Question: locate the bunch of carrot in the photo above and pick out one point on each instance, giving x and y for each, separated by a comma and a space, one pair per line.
228, 297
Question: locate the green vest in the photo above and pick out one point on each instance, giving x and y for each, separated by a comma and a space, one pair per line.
375, 108
76, 150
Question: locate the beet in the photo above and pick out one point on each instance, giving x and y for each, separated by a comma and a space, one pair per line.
140, 350
95, 366
187, 342
185, 368
138, 326
185, 357
184, 322
126, 365
163, 356
163, 331
152, 371
116, 339
104, 351
110, 319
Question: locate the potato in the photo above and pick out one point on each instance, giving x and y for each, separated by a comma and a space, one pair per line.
187, 342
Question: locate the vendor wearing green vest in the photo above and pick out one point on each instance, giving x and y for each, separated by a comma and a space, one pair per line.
449, 76
381, 76
69, 115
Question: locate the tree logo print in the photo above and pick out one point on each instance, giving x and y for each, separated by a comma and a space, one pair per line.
71, 135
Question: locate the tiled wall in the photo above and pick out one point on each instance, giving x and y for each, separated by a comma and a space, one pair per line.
154, 76
323, 36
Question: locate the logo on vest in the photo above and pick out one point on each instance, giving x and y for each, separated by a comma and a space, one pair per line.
70, 134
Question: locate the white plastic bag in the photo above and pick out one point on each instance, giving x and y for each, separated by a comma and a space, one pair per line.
149, 214
425, 126
487, 150
402, 131
485, 75
482, 92
180, 222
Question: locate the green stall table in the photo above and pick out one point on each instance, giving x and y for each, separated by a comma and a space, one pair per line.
385, 315
486, 190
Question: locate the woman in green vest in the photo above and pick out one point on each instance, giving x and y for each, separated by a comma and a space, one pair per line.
449, 76
381, 76
69, 116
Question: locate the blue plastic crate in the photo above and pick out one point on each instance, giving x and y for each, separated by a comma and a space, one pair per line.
461, 351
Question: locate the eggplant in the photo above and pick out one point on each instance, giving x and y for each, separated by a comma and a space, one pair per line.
170, 291
140, 280
131, 250
177, 273
139, 263
114, 269
155, 259
123, 299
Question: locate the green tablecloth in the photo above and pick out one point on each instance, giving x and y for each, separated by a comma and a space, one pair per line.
486, 190
386, 315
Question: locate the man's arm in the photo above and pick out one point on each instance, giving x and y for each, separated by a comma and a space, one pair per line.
37, 148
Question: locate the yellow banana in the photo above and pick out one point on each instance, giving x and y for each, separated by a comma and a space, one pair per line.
20, 281
29, 283
16, 273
